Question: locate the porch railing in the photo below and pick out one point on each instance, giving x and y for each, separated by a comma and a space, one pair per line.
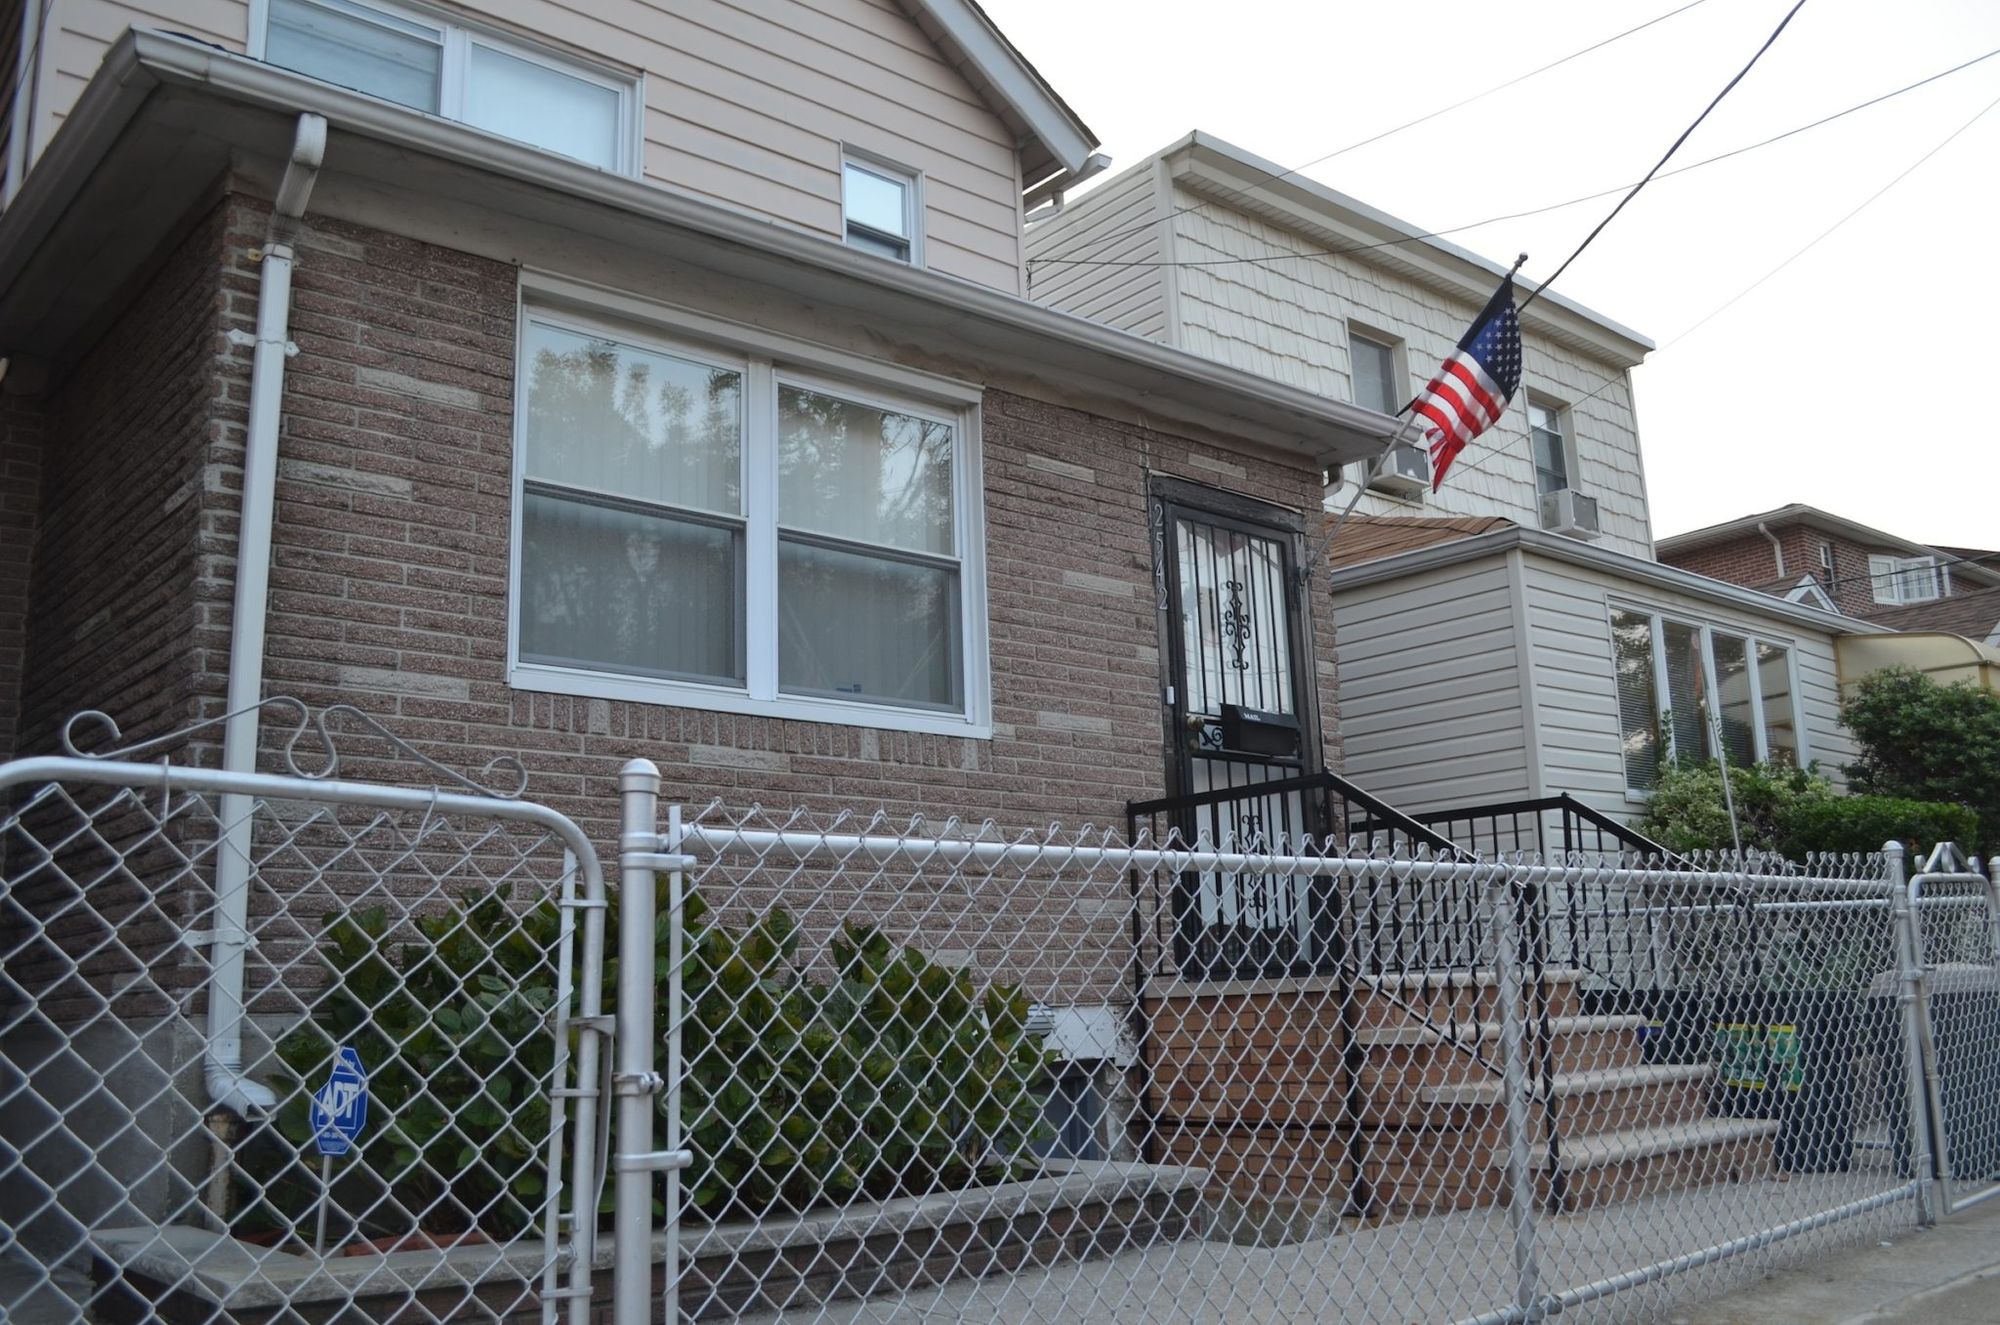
1549, 826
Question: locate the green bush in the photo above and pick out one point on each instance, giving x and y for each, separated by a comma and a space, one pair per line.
893, 1075
1928, 742
1688, 811
1864, 823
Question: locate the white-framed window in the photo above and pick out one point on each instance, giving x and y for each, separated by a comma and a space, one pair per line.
1548, 444
1907, 579
712, 517
1689, 690
420, 58
1374, 364
881, 208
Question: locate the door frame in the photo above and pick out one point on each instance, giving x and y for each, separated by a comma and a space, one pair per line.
1288, 527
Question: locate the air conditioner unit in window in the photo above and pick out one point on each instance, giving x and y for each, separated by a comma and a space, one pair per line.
1405, 470
1567, 511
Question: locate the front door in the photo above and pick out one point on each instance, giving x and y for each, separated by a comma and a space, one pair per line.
1240, 717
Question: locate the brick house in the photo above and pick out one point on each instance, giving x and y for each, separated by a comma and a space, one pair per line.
1805, 554
420, 546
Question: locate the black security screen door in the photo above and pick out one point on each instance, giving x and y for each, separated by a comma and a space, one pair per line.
1238, 718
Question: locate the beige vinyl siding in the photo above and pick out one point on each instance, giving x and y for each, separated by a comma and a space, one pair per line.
1115, 223
1287, 319
748, 104
1430, 690
1569, 626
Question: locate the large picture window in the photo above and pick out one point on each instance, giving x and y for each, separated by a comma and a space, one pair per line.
1688, 691
731, 529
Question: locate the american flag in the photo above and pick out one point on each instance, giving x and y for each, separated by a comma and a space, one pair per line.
1471, 391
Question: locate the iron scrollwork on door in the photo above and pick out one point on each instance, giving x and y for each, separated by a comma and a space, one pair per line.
1236, 625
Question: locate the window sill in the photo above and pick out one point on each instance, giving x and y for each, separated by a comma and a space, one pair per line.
673, 694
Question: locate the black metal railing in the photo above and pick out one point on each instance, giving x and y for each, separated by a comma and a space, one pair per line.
1547, 825
1211, 925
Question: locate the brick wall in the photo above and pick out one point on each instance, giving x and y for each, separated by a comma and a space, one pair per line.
1747, 560
111, 602
21, 432
389, 581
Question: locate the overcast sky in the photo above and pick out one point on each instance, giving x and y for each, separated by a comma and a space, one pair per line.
1861, 379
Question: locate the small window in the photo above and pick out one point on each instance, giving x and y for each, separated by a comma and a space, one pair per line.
879, 204
475, 77
1904, 579
1373, 362
1550, 447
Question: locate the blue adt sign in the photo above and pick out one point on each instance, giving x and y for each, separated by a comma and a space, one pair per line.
340, 1107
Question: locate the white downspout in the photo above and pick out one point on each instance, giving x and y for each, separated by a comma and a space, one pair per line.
1777, 548
228, 1087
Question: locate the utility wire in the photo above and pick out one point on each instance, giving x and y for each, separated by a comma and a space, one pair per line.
1102, 240
1727, 88
1549, 207
1489, 456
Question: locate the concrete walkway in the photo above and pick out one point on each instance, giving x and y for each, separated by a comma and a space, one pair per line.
1946, 1275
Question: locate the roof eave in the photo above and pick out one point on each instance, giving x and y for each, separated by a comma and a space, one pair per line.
1558, 548
1168, 385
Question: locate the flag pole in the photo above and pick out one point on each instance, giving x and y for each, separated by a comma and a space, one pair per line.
1395, 440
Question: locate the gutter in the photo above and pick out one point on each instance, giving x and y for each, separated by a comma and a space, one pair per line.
222, 1069
1558, 548
1258, 409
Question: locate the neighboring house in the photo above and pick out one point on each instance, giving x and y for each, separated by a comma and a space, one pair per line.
1481, 662
1805, 554
1209, 248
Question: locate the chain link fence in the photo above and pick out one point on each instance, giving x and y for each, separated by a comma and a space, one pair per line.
281, 1049
944, 1072
868, 1070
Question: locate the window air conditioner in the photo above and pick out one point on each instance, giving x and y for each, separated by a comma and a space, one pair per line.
1405, 470
1567, 511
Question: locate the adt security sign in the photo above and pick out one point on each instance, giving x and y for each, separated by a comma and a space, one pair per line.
340, 1107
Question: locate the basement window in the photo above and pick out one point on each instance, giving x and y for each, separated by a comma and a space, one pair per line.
477, 77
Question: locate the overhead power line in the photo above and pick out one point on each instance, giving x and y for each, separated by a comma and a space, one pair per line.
1793, 132
1487, 457
1101, 240
1727, 88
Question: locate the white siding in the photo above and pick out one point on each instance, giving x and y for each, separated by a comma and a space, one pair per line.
1116, 223
1287, 319
1430, 693
748, 102
1569, 624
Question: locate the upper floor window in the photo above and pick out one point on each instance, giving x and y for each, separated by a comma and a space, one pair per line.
1696, 692
419, 60
1372, 360
880, 209
730, 529
1907, 579
1549, 444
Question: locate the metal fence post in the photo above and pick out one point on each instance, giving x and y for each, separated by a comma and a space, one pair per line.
1514, 1084
635, 1082
1916, 1059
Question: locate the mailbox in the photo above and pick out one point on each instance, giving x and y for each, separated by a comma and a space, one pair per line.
1258, 732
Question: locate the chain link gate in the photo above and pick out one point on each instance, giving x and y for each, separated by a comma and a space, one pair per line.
922, 1071
1955, 910
409, 975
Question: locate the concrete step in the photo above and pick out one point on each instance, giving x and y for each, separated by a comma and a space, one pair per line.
1453, 997
1598, 1100
1649, 1161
